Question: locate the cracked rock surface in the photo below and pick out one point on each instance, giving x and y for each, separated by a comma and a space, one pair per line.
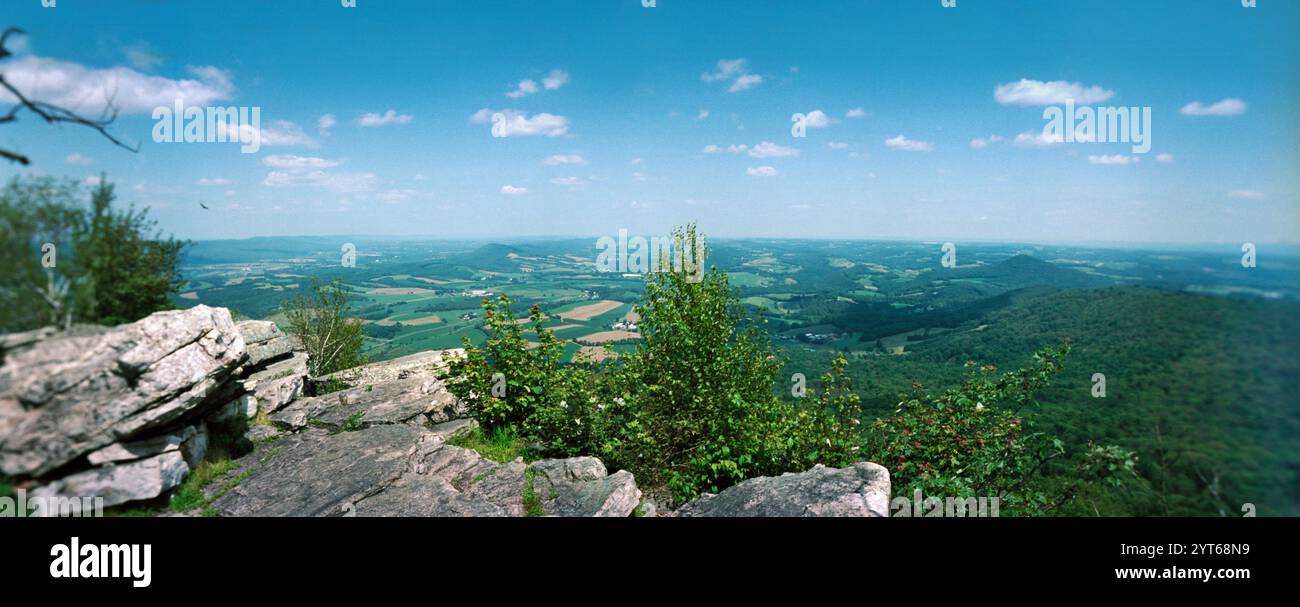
405, 470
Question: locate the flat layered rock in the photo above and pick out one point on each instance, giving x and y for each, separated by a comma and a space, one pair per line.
423, 399
71, 394
121, 483
404, 470
858, 490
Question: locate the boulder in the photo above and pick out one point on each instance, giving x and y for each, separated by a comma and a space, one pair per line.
858, 490
121, 483
264, 340
70, 394
581, 486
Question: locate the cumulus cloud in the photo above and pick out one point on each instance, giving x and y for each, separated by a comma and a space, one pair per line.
213, 181
837, 145
856, 112
702, 115
908, 145
278, 133
1225, 107
90, 90
735, 71
1036, 92
1114, 159
572, 183
1165, 157
559, 159
816, 119
980, 143
510, 190
736, 149
711, 149
326, 122
1037, 139
767, 149
763, 171
387, 118
519, 124
78, 159
556, 79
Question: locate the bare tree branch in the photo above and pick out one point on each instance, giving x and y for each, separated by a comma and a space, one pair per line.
51, 113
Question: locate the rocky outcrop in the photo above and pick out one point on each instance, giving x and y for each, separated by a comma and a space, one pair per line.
432, 363
420, 400
404, 470
858, 490
68, 395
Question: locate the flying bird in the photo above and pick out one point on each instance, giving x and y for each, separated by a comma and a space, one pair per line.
205, 207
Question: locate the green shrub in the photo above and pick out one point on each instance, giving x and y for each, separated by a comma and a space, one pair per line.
319, 319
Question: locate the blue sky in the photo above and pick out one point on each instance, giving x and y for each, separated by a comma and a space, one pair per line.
615, 129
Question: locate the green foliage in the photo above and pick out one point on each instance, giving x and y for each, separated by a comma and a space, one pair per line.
972, 441
353, 423
110, 266
532, 503
319, 319
189, 495
510, 383
500, 445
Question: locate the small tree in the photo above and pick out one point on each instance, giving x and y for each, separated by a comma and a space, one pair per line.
319, 319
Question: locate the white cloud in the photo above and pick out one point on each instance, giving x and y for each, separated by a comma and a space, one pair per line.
837, 145
326, 122
816, 119
142, 57
1114, 159
1165, 157
1226, 107
736, 71
763, 171
980, 143
908, 145
334, 182
767, 149
519, 124
279, 133
1037, 139
385, 119
745, 82
92, 180
711, 149
1037, 92
638, 176
289, 161
510, 190
702, 115
79, 160
525, 88
736, 149
572, 183
556, 79
559, 159
214, 181
856, 112
1246, 194
89, 90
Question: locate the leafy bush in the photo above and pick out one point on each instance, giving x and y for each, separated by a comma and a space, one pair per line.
510, 383
319, 319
